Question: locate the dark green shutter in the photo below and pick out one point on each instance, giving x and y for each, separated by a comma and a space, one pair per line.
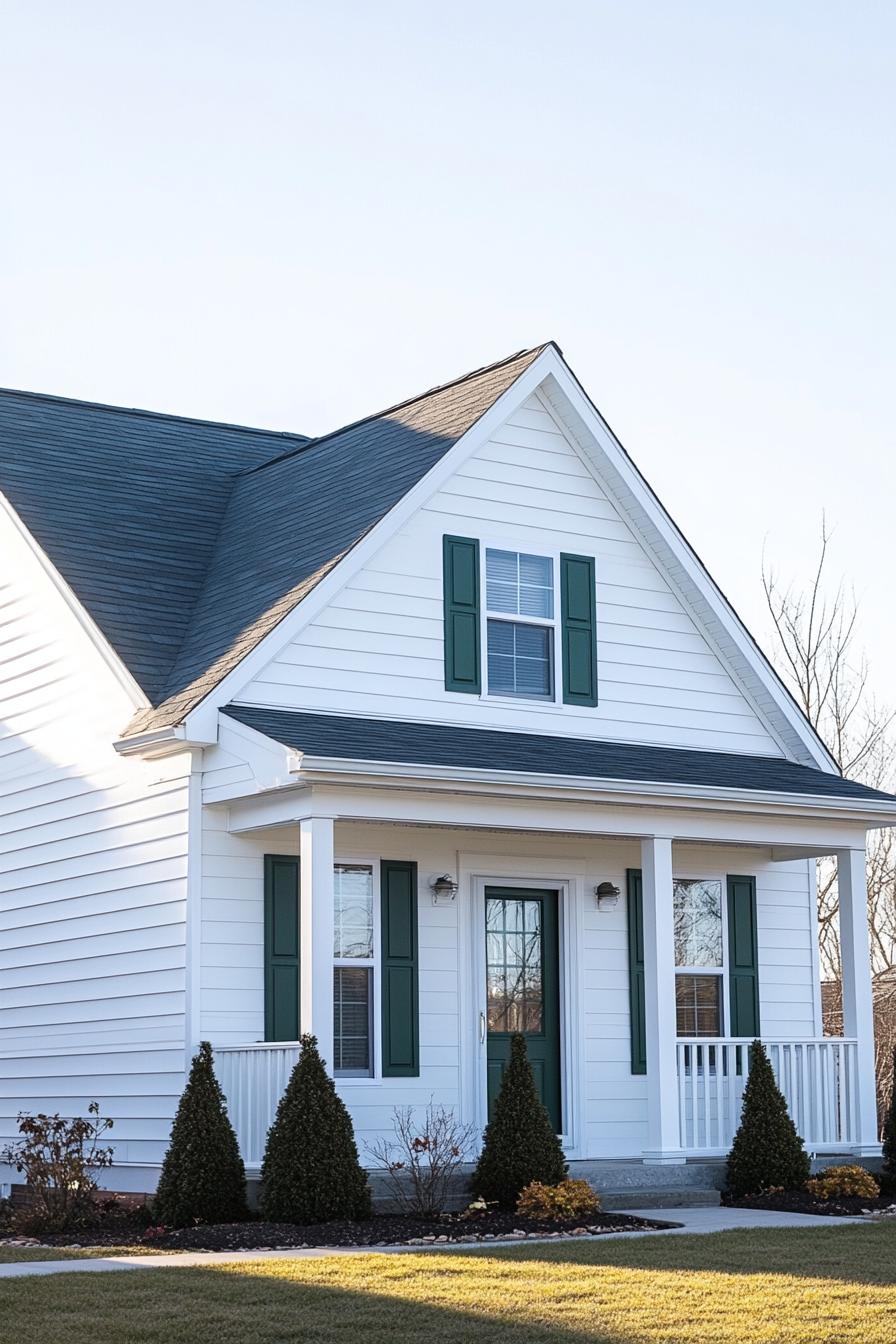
579, 621
743, 957
400, 1024
281, 947
636, 969
460, 574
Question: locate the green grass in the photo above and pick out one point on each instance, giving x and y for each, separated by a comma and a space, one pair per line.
770, 1287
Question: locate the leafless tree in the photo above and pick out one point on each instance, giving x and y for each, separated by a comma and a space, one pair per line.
815, 649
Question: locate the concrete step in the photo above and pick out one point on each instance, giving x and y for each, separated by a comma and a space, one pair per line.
687, 1198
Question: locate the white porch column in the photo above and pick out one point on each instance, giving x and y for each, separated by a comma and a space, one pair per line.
663, 1133
316, 932
858, 1009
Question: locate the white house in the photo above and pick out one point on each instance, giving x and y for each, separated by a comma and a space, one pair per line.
411, 735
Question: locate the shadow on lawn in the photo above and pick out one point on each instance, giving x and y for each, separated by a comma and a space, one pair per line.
214, 1306
856, 1253
450, 1299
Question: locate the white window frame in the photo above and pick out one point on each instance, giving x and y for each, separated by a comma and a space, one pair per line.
553, 623
375, 1075
721, 972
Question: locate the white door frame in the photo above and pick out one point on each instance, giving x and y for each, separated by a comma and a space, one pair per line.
476, 874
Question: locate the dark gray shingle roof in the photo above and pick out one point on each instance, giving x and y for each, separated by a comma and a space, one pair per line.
186, 541
127, 505
290, 522
481, 748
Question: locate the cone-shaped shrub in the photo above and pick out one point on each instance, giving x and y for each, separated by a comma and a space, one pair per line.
203, 1179
767, 1151
311, 1172
888, 1170
519, 1144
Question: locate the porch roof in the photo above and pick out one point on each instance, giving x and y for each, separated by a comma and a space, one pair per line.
432, 744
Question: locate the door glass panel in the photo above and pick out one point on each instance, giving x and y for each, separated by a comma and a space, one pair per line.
514, 987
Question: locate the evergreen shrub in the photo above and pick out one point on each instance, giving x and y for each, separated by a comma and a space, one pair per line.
519, 1145
311, 1172
767, 1151
203, 1179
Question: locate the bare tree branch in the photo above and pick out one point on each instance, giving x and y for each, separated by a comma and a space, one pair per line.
814, 649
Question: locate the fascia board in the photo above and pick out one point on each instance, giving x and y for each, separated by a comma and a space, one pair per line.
318, 768
201, 721
675, 544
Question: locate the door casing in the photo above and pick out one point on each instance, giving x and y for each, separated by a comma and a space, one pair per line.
570, 896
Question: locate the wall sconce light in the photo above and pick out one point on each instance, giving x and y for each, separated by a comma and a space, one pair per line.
444, 889
607, 896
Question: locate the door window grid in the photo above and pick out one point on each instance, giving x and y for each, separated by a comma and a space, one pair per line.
515, 991
520, 653
699, 956
353, 970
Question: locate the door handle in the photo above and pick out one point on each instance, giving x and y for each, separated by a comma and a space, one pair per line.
482, 1028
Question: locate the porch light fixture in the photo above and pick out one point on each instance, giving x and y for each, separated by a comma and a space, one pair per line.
607, 896
443, 888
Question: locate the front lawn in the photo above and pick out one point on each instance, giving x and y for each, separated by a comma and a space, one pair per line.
771, 1286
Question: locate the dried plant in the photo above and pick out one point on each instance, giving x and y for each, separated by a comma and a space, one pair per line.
58, 1158
420, 1161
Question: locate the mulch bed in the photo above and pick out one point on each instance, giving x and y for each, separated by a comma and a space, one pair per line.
800, 1201
382, 1230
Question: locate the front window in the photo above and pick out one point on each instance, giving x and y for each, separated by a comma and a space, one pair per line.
353, 944
520, 651
697, 915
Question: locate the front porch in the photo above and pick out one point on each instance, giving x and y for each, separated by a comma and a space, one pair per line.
819, 1078
681, 1104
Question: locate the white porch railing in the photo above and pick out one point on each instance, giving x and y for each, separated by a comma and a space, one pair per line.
818, 1078
253, 1079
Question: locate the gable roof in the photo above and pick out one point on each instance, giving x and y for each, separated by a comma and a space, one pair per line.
348, 737
188, 541
127, 505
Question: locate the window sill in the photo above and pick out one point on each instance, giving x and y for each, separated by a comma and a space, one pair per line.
518, 700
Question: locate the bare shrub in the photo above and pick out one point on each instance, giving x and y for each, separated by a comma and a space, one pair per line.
420, 1162
58, 1159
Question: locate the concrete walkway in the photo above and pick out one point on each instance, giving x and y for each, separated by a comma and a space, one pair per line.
691, 1220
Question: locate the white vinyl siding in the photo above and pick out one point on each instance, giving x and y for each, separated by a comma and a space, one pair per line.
92, 882
378, 646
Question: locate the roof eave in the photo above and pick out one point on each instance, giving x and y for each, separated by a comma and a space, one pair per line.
310, 768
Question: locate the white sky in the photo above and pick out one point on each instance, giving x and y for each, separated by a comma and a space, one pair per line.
291, 214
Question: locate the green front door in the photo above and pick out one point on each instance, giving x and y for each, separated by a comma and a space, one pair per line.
522, 950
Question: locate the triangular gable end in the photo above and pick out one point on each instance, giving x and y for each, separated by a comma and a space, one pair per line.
697, 678
720, 623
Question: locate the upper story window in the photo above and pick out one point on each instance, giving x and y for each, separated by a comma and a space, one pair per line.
519, 600
699, 956
518, 624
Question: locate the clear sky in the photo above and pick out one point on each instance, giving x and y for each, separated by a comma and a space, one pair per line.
290, 214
